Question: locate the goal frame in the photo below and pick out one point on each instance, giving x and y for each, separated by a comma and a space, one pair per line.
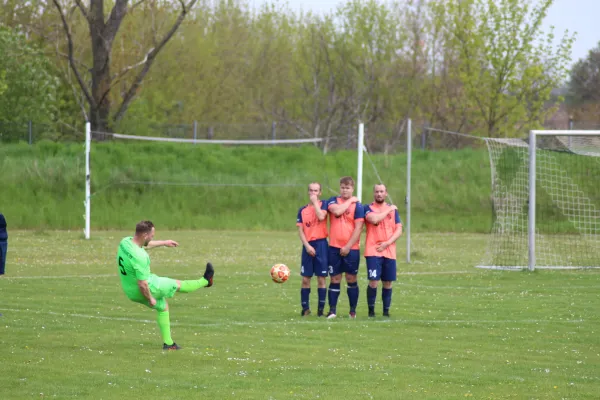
533, 135
88, 143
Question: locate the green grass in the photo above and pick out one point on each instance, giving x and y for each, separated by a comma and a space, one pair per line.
67, 331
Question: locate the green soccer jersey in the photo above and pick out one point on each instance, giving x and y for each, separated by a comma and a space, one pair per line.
134, 266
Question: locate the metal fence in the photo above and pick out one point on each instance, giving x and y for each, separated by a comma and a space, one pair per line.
32, 132
380, 136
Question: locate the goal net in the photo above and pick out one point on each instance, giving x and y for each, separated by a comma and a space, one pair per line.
546, 201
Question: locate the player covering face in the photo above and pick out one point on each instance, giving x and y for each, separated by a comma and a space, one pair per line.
312, 230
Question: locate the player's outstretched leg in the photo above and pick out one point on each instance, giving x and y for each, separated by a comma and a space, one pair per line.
195, 284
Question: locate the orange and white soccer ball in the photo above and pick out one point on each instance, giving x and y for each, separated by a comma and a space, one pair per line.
280, 273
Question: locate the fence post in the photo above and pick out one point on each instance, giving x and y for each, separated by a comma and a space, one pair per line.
210, 132
195, 130
424, 137
273, 130
570, 128
30, 131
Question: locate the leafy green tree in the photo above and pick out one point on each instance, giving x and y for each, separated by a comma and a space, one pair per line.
584, 79
28, 87
506, 66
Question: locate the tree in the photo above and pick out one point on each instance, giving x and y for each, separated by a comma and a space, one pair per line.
505, 64
103, 29
584, 82
27, 85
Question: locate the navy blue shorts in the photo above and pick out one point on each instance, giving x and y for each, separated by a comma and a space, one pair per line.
316, 265
339, 264
381, 269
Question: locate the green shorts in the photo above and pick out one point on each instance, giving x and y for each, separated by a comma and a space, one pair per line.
161, 289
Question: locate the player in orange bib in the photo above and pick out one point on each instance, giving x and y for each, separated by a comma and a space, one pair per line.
346, 219
312, 229
383, 229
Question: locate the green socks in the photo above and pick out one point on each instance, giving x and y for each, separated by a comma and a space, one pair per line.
164, 324
190, 286
162, 317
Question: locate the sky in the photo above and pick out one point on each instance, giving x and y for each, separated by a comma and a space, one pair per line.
579, 16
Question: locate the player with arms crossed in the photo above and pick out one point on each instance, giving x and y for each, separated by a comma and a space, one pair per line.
346, 218
312, 229
383, 229
144, 287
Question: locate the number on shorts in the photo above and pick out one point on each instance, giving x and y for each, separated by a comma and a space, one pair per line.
372, 273
121, 266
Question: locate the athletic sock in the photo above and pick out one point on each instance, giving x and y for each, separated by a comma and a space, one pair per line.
192, 285
333, 294
322, 293
352, 291
371, 297
386, 297
304, 298
164, 324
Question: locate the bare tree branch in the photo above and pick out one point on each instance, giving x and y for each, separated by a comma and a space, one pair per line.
150, 57
116, 79
115, 18
83, 10
136, 4
125, 70
67, 29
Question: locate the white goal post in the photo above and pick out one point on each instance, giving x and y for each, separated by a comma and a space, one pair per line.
88, 148
577, 142
544, 197
546, 201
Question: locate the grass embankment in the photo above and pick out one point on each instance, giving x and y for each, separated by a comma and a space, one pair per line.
203, 186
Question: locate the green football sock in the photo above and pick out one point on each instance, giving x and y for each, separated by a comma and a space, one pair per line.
164, 324
190, 286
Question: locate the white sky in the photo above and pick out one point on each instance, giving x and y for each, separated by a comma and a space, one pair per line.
579, 16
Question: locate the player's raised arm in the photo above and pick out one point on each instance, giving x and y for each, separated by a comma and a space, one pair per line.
319, 206
158, 243
376, 217
339, 209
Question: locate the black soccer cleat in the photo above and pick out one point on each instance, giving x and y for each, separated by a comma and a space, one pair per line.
305, 312
209, 273
386, 313
320, 312
174, 346
371, 313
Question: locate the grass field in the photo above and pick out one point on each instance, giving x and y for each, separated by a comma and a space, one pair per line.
67, 331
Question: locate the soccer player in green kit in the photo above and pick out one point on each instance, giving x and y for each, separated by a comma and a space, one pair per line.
144, 287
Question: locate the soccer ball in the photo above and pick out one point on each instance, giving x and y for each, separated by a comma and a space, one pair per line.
280, 273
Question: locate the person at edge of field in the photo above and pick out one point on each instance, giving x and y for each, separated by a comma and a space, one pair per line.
312, 229
346, 219
3, 244
142, 286
384, 227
